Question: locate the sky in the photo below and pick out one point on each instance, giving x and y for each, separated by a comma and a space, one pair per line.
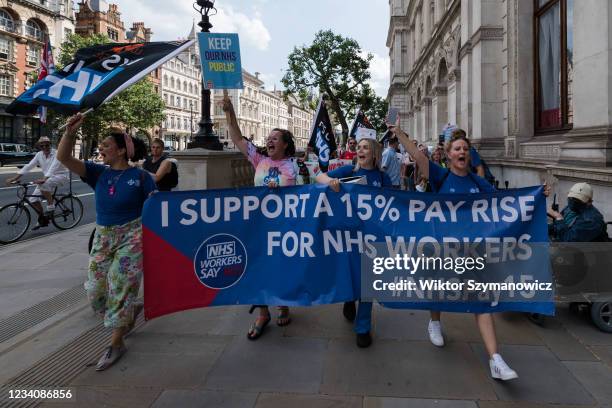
270, 29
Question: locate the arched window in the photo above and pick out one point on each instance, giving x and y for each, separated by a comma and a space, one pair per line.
34, 30
185, 86
178, 84
165, 80
6, 21
190, 88
178, 101
172, 82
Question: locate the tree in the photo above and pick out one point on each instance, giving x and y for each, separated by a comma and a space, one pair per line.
377, 113
334, 65
137, 107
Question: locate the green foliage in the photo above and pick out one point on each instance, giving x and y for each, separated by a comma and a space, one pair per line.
333, 65
138, 107
377, 112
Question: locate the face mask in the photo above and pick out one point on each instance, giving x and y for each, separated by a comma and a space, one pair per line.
575, 205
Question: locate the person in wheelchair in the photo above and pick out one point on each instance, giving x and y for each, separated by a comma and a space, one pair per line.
54, 175
579, 221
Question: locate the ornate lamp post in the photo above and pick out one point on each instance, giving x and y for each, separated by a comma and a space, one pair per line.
206, 137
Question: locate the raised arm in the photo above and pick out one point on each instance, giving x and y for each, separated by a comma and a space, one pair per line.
64, 150
232, 123
334, 183
421, 160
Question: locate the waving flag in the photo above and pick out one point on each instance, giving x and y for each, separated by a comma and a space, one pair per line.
321, 136
95, 76
47, 67
362, 128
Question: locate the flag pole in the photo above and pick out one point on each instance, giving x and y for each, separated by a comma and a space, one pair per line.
82, 114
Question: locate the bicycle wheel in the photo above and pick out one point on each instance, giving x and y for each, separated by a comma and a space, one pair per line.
68, 212
14, 222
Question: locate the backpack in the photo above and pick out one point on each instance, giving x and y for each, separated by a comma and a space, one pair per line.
172, 177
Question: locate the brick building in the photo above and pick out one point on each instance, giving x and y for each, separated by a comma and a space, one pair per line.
24, 28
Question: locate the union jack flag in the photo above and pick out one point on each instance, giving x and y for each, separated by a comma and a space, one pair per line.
47, 66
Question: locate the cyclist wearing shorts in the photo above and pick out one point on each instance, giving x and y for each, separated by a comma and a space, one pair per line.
54, 175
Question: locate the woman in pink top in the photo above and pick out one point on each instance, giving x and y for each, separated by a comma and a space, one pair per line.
277, 169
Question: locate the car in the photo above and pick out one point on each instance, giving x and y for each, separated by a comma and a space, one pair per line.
15, 154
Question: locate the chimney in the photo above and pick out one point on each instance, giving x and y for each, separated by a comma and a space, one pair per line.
257, 75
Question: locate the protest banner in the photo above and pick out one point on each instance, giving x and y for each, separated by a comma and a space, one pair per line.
220, 57
95, 76
302, 245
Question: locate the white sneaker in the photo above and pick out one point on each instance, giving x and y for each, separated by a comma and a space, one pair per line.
435, 333
500, 370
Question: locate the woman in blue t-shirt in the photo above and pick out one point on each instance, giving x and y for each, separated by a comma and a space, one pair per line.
369, 159
115, 261
458, 178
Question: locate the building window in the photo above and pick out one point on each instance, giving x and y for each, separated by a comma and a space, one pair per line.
6, 21
6, 129
6, 88
172, 82
5, 48
33, 56
67, 33
112, 34
178, 101
33, 30
554, 64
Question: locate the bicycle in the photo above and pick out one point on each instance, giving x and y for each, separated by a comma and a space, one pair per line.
15, 218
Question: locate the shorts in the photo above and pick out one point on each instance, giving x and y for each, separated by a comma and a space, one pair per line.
48, 186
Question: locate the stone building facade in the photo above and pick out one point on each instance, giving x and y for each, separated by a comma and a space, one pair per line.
259, 111
528, 80
181, 82
24, 28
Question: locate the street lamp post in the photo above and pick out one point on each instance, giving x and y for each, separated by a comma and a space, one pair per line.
206, 137
191, 120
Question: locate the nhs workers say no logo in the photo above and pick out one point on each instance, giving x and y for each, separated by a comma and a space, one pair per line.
220, 261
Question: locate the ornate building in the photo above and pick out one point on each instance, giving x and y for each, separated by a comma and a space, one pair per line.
180, 89
24, 28
259, 111
528, 80
100, 17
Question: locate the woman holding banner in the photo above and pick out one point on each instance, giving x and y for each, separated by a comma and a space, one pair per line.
458, 178
369, 160
277, 169
115, 261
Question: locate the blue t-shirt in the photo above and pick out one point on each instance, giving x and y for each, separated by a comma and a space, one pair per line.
120, 194
374, 177
440, 182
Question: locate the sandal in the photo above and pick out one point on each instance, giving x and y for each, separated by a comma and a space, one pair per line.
258, 326
283, 318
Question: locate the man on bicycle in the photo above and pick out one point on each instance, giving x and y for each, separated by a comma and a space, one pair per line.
54, 175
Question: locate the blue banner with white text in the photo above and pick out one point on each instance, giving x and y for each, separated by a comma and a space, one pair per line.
304, 245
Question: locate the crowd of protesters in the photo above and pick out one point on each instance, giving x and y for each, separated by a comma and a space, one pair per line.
115, 267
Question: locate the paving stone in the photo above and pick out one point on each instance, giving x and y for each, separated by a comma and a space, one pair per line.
562, 343
204, 399
29, 261
307, 401
542, 378
508, 404
595, 377
231, 320
319, 322
170, 367
604, 353
404, 369
272, 363
512, 328
109, 397
581, 326
375, 402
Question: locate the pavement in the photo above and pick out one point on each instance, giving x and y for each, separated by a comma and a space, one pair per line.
50, 339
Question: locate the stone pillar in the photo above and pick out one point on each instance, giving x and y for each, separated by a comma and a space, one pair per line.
439, 105
486, 78
591, 138
420, 119
456, 107
518, 76
427, 30
419, 37
427, 119
201, 169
